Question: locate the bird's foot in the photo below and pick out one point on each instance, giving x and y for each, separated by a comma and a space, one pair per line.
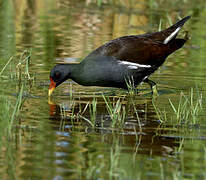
154, 91
153, 87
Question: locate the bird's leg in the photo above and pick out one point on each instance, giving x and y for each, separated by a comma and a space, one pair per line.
153, 86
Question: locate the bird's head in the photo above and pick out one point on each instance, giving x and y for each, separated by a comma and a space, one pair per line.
58, 75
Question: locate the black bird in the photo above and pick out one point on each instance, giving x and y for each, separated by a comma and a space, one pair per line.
126, 59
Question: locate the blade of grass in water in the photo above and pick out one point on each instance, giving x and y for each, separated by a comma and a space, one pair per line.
187, 109
160, 25
6, 66
17, 107
116, 111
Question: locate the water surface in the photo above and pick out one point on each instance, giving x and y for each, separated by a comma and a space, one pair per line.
52, 139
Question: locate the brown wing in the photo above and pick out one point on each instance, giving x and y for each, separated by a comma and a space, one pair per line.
144, 49
138, 49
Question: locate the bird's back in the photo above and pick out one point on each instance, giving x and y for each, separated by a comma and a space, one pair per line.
147, 49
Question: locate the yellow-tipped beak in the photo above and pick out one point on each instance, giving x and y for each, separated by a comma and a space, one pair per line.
50, 91
51, 87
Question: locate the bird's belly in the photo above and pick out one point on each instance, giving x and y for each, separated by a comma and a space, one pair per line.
111, 77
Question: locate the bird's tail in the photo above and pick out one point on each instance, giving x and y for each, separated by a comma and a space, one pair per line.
171, 32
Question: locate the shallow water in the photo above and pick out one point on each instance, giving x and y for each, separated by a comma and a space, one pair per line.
56, 139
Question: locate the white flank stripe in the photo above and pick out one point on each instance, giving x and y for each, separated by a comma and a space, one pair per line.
133, 65
171, 35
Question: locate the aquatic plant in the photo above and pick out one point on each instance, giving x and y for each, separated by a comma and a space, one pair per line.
137, 115
22, 75
188, 108
114, 170
132, 90
5, 66
116, 111
93, 111
9, 112
20, 71
186, 111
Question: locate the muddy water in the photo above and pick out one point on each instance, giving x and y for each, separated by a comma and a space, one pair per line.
56, 138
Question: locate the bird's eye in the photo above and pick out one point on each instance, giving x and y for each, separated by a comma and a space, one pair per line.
57, 75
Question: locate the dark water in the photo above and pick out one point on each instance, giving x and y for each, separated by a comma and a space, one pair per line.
52, 139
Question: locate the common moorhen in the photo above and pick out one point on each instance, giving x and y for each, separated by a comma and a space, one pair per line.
126, 59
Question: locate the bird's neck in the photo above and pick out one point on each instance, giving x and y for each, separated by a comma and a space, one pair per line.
75, 70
